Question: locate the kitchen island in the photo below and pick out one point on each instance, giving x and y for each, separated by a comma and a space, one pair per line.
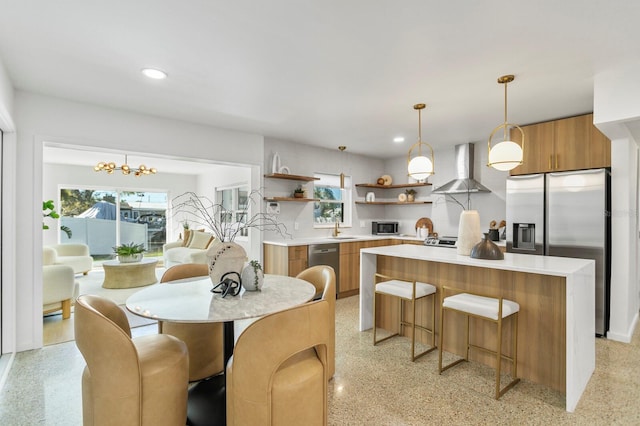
556, 328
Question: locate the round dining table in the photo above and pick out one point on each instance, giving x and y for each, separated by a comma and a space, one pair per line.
192, 301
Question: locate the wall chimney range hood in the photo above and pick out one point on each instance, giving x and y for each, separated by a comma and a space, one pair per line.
464, 181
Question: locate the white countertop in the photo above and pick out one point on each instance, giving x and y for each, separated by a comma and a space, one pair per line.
545, 265
340, 239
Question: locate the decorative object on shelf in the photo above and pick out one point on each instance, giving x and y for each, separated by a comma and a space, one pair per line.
380, 181
411, 194
386, 180
420, 167
110, 167
505, 155
468, 231
298, 192
252, 276
370, 197
129, 252
284, 170
402, 197
275, 163
486, 249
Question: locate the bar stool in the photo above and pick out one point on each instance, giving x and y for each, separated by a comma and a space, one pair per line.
406, 291
486, 308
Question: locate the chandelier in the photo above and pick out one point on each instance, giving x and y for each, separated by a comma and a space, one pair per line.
125, 168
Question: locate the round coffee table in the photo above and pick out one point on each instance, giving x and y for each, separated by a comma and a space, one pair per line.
128, 275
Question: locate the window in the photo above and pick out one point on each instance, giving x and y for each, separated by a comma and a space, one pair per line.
234, 205
334, 204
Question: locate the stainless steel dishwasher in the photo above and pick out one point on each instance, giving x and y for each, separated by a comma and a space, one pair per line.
326, 254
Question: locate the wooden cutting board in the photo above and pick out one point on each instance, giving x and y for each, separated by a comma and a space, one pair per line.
426, 222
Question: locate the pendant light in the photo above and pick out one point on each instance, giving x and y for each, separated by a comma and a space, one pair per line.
342, 148
505, 155
420, 167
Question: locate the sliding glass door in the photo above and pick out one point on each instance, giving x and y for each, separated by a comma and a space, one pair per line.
104, 218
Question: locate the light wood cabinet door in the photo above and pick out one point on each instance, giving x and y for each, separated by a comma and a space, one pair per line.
568, 144
572, 138
538, 148
281, 260
298, 259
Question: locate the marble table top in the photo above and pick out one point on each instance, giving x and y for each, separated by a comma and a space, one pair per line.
192, 301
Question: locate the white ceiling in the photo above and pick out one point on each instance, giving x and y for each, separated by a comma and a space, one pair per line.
325, 73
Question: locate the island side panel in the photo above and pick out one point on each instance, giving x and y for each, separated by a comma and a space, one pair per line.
368, 267
542, 318
581, 330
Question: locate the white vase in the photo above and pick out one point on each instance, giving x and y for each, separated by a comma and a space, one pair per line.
469, 233
225, 257
252, 278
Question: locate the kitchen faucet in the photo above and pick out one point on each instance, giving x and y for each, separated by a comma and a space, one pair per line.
336, 231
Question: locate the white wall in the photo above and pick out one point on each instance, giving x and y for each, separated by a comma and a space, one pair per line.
8, 308
616, 94
41, 118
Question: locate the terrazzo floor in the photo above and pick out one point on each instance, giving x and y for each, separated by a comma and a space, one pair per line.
372, 386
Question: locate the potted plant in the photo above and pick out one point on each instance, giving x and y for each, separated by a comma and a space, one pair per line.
411, 194
252, 276
298, 192
48, 210
129, 253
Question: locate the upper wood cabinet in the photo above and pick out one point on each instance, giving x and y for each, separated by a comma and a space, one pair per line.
569, 144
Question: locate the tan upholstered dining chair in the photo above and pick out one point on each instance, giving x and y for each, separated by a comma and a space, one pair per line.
278, 372
204, 340
323, 277
140, 381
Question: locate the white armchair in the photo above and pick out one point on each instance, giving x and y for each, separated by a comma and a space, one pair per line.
59, 288
74, 255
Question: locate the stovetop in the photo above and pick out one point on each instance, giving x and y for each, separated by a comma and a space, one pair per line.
441, 242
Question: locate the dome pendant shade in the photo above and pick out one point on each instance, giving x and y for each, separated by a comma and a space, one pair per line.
420, 167
505, 155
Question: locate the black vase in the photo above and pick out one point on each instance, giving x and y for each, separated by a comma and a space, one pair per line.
486, 249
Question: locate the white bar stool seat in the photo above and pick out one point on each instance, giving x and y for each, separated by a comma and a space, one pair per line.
485, 308
406, 291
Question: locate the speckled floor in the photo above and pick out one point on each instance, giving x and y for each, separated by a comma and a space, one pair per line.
372, 386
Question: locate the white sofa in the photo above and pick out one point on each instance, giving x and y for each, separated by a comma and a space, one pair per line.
195, 251
74, 255
59, 287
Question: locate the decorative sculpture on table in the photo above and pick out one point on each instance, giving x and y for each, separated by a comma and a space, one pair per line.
224, 254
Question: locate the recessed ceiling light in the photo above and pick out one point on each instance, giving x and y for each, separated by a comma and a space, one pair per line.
398, 139
154, 73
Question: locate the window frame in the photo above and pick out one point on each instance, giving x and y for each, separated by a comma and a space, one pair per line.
333, 181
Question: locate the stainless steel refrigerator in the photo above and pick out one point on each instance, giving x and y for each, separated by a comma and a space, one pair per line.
565, 214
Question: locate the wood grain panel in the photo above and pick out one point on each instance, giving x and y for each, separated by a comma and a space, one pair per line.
541, 324
276, 259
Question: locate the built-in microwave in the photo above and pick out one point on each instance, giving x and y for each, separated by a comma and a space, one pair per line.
384, 228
